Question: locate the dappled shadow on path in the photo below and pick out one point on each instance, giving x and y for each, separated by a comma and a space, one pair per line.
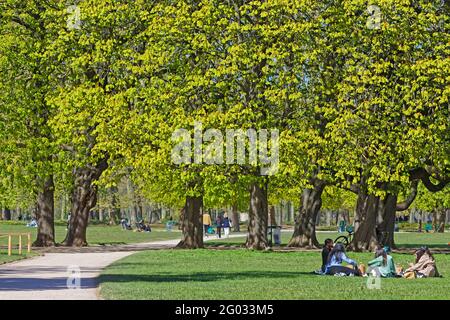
39, 284
41, 269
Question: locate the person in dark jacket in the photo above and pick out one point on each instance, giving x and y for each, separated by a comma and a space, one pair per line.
328, 246
226, 226
219, 222
335, 259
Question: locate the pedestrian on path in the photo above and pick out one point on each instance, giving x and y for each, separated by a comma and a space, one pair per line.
206, 222
226, 226
219, 222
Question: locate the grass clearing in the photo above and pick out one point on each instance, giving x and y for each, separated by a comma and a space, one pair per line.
98, 234
243, 274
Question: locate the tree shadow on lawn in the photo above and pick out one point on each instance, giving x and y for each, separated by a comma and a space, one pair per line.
199, 276
110, 243
418, 245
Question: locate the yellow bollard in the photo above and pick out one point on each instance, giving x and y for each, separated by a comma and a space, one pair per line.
20, 244
29, 243
9, 245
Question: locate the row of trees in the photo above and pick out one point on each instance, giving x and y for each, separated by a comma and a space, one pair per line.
360, 102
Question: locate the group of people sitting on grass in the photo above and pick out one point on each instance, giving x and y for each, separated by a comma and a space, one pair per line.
382, 265
141, 226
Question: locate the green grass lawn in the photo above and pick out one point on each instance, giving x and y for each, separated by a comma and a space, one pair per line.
402, 239
4, 258
98, 234
244, 274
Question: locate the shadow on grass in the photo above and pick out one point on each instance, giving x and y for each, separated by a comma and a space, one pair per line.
284, 246
418, 245
110, 243
198, 276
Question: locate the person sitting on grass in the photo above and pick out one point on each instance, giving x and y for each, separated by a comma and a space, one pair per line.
328, 246
424, 267
335, 259
384, 263
33, 223
125, 225
143, 227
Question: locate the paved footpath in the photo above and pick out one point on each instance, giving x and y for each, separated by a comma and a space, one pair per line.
49, 277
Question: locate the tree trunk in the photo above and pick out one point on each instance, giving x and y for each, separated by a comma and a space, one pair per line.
386, 221
365, 237
6, 214
420, 221
305, 224
134, 216
84, 198
272, 219
192, 224
281, 213
347, 216
434, 217
375, 219
182, 215
440, 227
329, 213
235, 213
291, 211
45, 215
111, 217
258, 215
139, 209
114, 212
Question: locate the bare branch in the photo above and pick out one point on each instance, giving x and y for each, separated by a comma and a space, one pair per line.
402, 206
424, 176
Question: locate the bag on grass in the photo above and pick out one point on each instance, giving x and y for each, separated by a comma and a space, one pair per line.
362, 268
409, 275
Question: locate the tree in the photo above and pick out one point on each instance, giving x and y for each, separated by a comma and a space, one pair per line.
371, 135
95, 61
26, 30
438, 203
399, 121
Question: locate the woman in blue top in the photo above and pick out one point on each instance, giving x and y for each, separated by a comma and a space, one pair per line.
335, 259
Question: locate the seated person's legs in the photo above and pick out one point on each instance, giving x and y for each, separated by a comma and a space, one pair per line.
341, 269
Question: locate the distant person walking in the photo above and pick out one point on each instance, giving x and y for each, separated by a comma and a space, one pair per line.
219, 222
226, 226
206, 222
